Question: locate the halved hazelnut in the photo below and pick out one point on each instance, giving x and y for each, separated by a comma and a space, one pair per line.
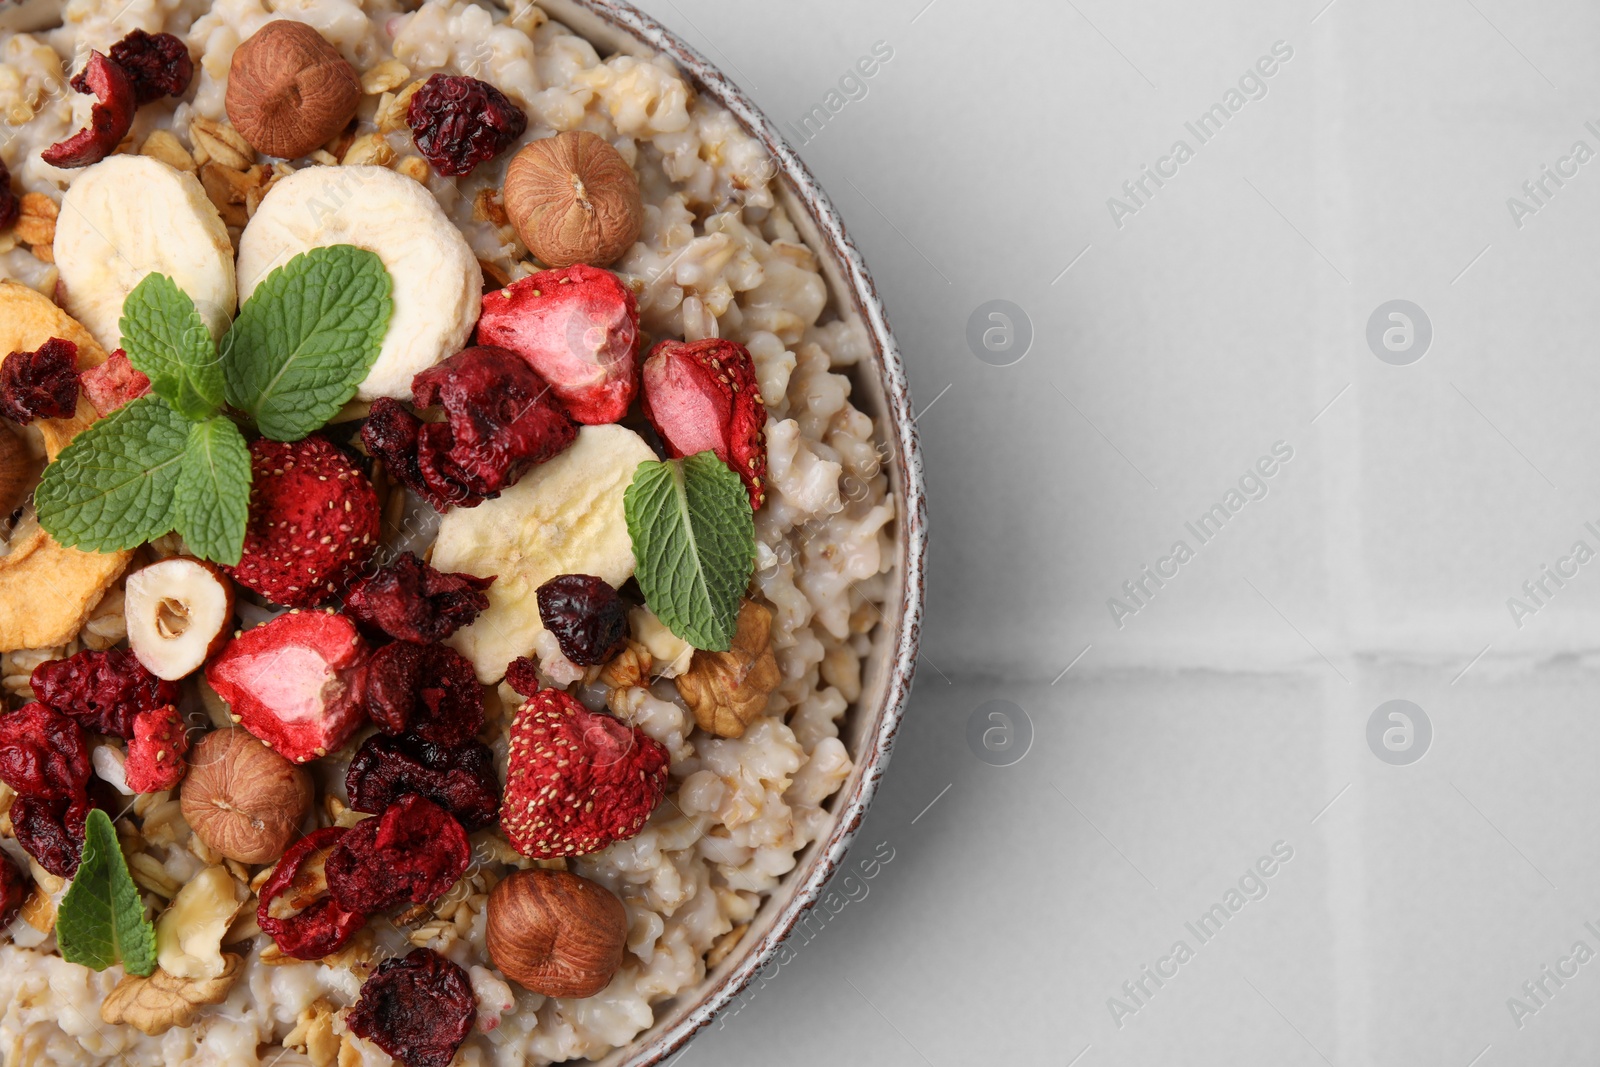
289, 90
242, 798
178, 613
555, 933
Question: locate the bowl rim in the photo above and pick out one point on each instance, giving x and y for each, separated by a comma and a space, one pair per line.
710, 80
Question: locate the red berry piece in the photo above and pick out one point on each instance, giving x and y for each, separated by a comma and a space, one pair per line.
13, 889
431, 691
578, 327
43, 754
588, 618
414, 852
460, 780
51, 831
313, 522
296, 910
577, 780
418, 1008
155, 755
295, 682
109, 120
41, 384
522, 674
157, 65
459, 122
410, 601
703, 396
104, 692
10, 205
113, 383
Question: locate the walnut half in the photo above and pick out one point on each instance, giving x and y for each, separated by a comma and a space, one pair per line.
158, 1003
729, 689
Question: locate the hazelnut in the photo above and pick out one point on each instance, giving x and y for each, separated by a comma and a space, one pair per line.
573, 199
289, 90
242, 798
555, 933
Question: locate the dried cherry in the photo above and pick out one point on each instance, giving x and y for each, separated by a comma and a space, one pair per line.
587, 617
410, 601
459, 122
13, 888
414, 852
10, 205
308, 924
157, 65
460, 780
428, 690
102, 691
110, 118
42, 384
51, 831
418, 1008
43, 754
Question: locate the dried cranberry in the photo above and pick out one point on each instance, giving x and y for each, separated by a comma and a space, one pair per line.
461, 122
460, 780
41, 384
10, 206
410, 601
109, 120
428, 690
503, 420
13, 888
51, 831
43, 754
415, 851
157, 65
102, 691
418, 1008
588, 618
522, 674
307, 925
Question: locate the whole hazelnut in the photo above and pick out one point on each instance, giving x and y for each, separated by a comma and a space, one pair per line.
573, 199
242, 798
555, 933
289, 90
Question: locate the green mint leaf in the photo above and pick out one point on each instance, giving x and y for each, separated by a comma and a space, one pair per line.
101, 920
112, 487
306, 339
165, 338
694, 545
213, 492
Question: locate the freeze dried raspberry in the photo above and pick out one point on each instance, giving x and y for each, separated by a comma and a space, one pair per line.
587, 617
109, 120
577, 780
114, 383
42, 384
102, 691
704, 395
503, 420
418, 1008
296, 910
157, 65
410, 601
414, 852
428, 690
43, 754
155, 755
51, 831
460, 780
13, 889
10, 206
522, 674
460, 122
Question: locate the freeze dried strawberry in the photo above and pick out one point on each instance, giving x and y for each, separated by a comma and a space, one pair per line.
157, 65
51, 831
109, 120
155, 755
589, 620
295, 682
414, 852
42, 384
703, 396
431, 691
43, 753
503, 420
113, 383
102, 691
418, 1008
296, 910
522, 674
410, 601
578, 327
460, 780
313, 522
577, 780
460, 122
13, 889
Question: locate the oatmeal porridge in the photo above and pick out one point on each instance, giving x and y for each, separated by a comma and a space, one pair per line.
456, 658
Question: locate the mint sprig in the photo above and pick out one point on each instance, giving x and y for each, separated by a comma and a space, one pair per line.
694, 545
303, 343
101, 919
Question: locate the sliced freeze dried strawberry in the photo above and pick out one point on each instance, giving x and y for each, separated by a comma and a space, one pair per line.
109, 120
704, 396
155, 755
113, 383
